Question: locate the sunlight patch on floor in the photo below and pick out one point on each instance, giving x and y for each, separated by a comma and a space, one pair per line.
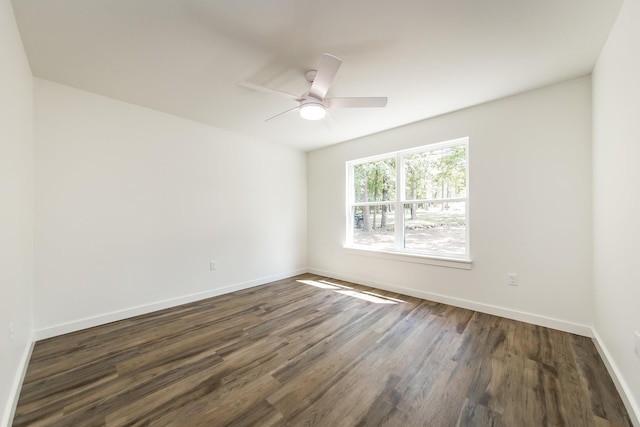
335, 284
318, 284
383, 296
346, 290
366, 297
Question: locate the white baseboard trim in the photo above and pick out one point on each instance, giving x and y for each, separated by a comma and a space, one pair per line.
535, 319
16, 386
101, 319
621, 385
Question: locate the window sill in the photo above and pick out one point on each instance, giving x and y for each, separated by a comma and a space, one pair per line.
460, 263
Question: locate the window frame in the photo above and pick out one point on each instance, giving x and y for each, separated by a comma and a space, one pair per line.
398, 252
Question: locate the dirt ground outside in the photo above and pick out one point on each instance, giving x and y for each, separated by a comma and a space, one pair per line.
433, 230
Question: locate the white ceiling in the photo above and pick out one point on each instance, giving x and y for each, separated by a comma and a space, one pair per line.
430, 57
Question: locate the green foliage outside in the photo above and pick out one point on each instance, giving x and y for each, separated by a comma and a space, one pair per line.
438, 174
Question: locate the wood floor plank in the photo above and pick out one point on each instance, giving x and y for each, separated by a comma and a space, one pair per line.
600, 388
385, 357
317, 351
477, 415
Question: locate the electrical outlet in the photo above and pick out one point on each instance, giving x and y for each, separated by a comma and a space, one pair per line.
512, 279
213, 265
637, 344
12, 332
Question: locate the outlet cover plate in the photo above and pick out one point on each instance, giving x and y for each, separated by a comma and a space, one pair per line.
637, 346
512, 279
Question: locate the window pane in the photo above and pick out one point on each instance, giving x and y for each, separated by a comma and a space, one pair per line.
438, 174
375, 181
374, 226
436, 227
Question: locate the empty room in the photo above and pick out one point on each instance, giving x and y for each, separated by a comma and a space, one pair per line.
319, 213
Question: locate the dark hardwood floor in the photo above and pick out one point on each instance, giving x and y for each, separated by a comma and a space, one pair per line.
315, 351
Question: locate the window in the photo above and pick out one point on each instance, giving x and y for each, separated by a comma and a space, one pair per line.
413, 201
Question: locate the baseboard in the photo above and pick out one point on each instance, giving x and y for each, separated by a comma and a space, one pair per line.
114, 316
16, 386
535, 319
623, 389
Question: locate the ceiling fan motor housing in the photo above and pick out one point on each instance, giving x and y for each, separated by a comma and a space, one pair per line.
310, 75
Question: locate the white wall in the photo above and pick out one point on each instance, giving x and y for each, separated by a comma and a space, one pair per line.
530, 203
16, 207
132, 204
616, 199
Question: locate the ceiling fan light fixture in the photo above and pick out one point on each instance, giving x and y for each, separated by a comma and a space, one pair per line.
312, 111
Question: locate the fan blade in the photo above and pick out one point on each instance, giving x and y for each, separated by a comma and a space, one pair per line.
327, 70
330, 122
284, 112
364, 102
250, 85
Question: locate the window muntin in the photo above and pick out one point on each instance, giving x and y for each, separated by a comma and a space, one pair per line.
427, 186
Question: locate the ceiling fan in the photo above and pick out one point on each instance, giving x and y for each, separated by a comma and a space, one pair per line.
313, 105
